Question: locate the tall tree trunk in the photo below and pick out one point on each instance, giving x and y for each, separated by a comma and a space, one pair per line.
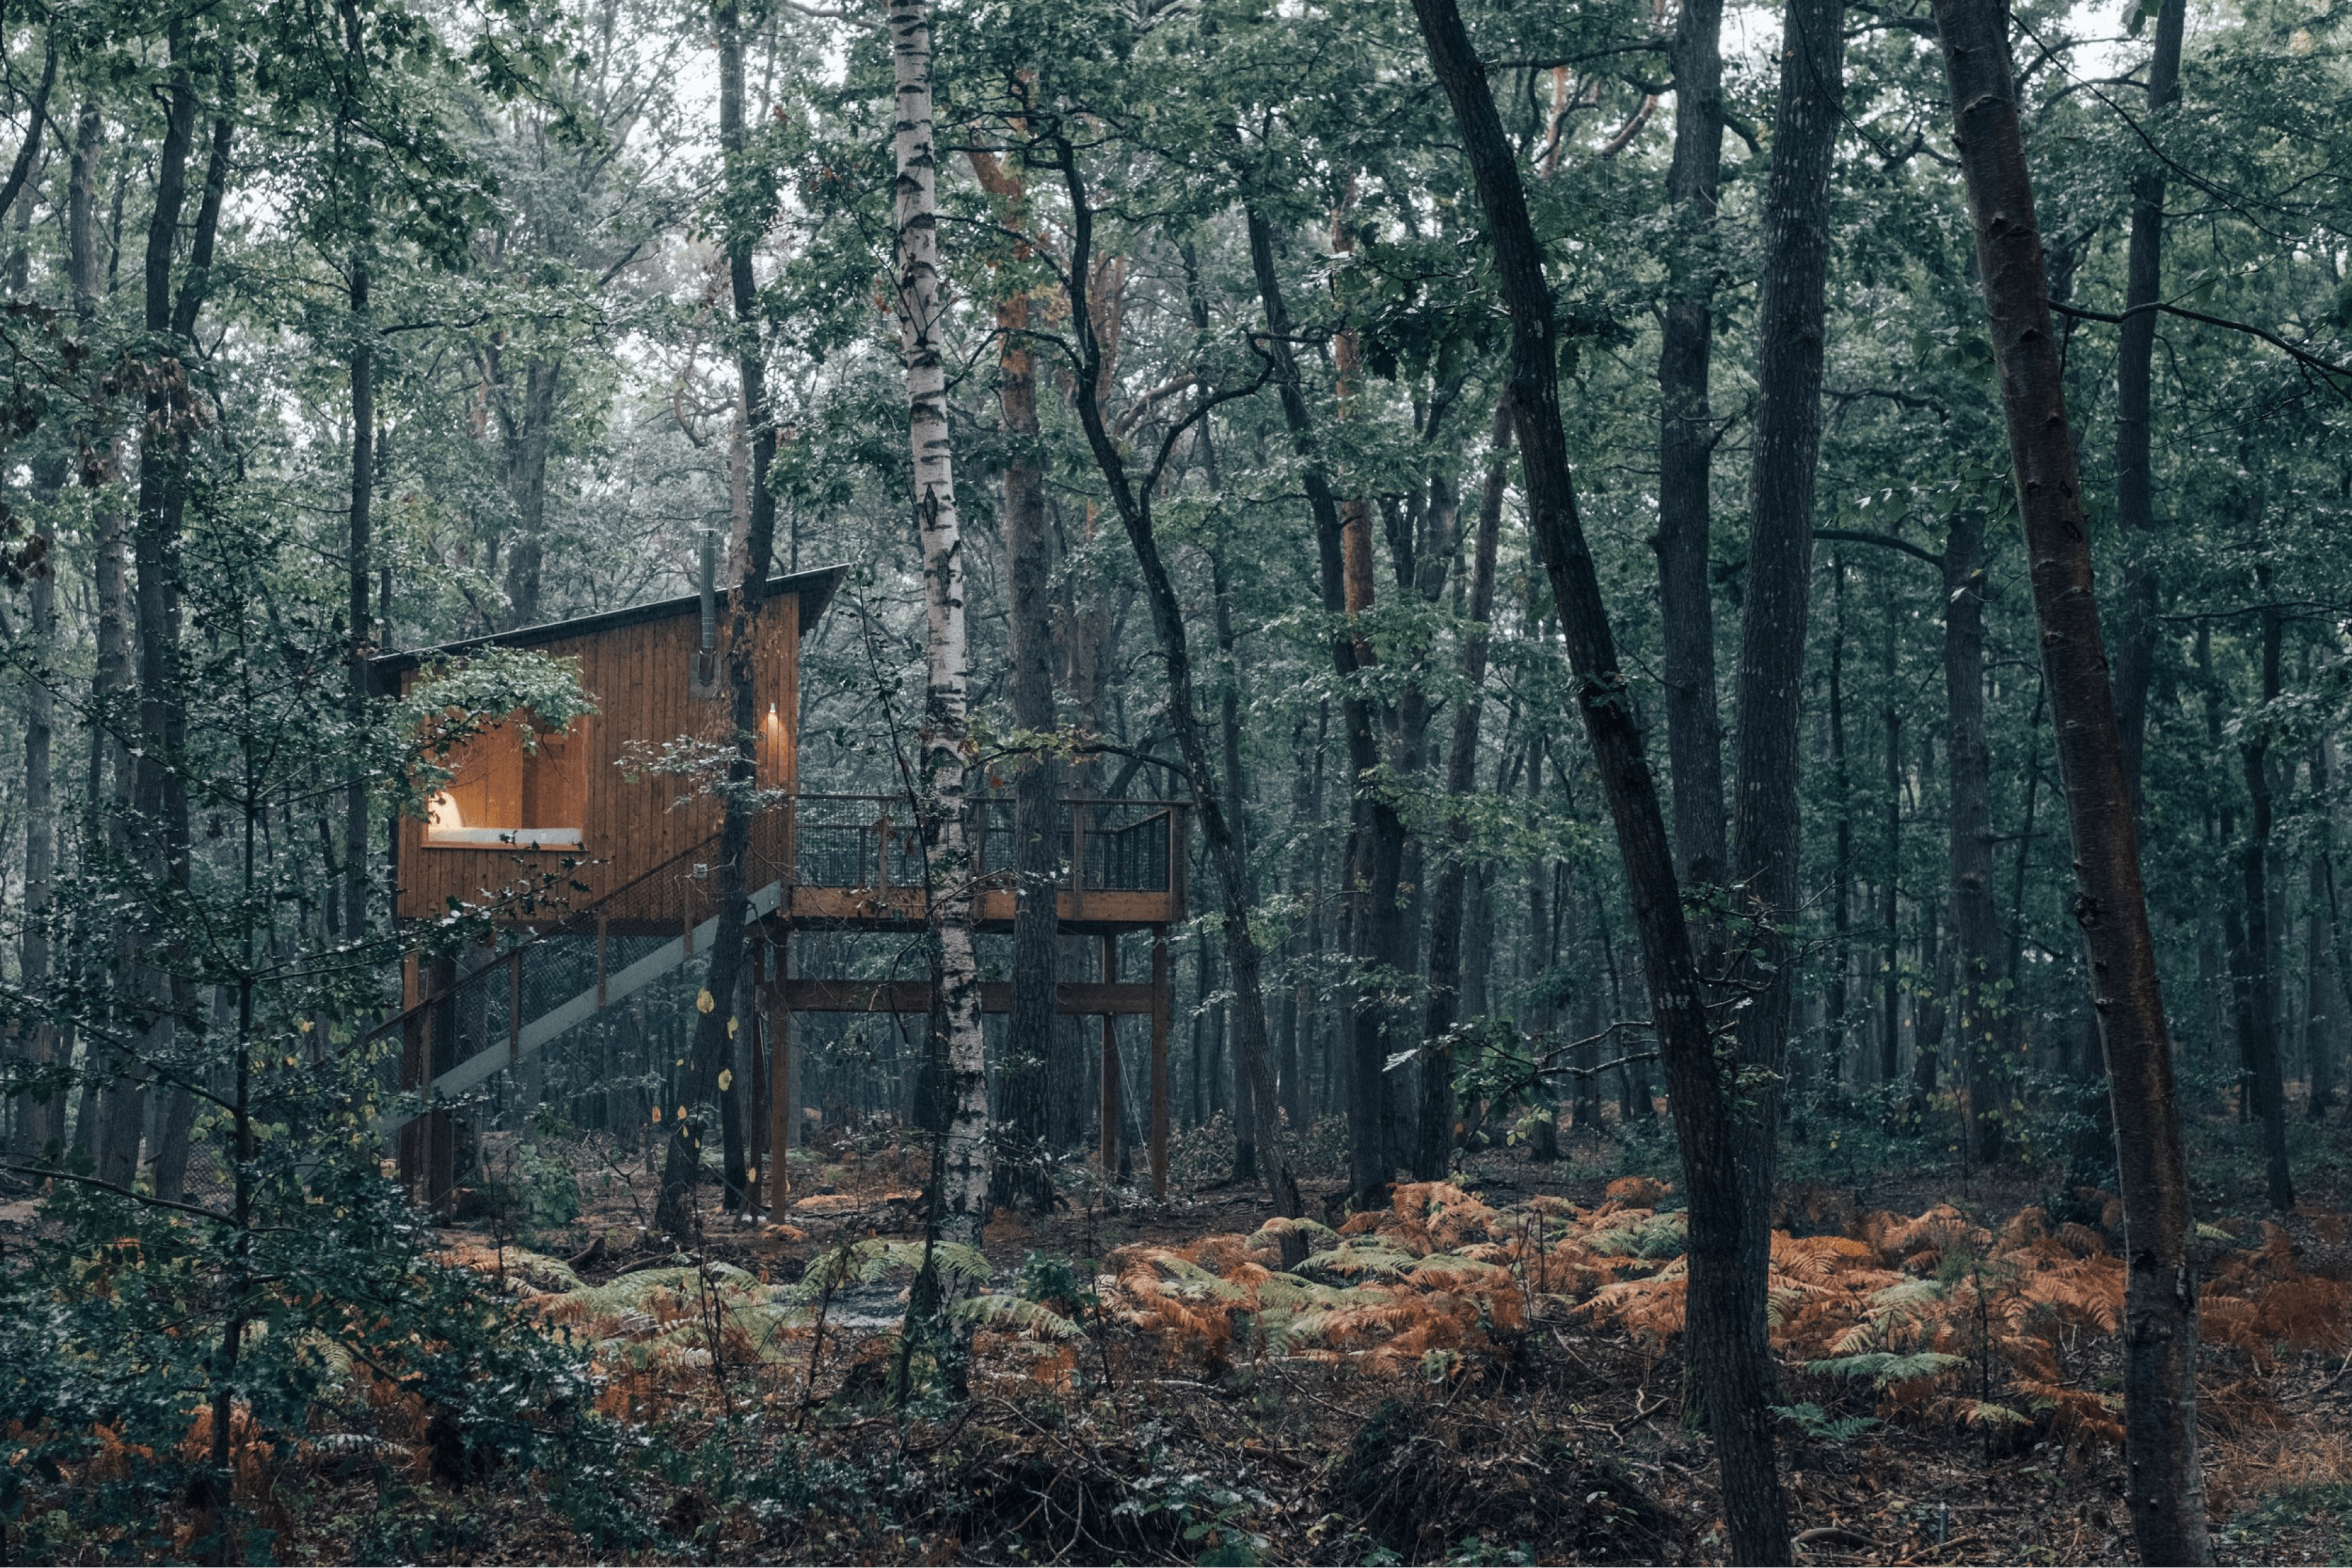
702, 1092
1976, 924
1834, 1000
1253, 1061
1433, 1151
1767, 815
2258, 985
1725, 1337
2164, 1482
2134, 351
1023, 1175
1687, 449
2325, 979
528, 437
1229, 729
1890, 892
2318, 995
961, 1204
155, 787
363, 490
1376, 843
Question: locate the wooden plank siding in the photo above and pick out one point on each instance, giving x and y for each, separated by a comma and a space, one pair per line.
641, 674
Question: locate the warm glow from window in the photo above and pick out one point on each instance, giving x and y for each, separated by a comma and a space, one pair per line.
504, 794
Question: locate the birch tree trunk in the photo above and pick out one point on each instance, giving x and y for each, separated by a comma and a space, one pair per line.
961, 1204
2164, 1481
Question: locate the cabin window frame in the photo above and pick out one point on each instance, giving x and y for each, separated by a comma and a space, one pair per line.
548, 778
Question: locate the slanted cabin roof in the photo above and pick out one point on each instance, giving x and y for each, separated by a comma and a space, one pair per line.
814, 589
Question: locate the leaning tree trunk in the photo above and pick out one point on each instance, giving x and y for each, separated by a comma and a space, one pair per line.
2164, 1482
1434, 1152
961, 1203
1252, 1058
1733, 1361
1767, 818
707, 1088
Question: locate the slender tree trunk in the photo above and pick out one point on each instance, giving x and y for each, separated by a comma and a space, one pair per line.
147, 834
2258, 985
2134, 351
1023, 1176
1687, 449
1229, 729
1976, 925
1834, 1000
2322, 937
529, 439
2164, 1481
355, 803
1253, 1060
2318, 1005
1890, 975
1375, 853
1725, 1337
1433, 1151
1767, 816
701, 1092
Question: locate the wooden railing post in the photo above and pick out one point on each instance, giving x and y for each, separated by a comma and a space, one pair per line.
1161, 1009
413, 1064
784, 1084
1110, 1086
1179, 860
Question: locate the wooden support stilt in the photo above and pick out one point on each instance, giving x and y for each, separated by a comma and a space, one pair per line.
1161, 1009
1110, 1096
410, 1153
514, 1006
784, 1085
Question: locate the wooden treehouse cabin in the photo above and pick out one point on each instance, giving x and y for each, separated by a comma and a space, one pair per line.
602, 874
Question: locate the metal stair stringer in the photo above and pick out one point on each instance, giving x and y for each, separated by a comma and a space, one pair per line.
573, 1011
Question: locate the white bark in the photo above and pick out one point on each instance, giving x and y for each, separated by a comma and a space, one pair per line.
945, 746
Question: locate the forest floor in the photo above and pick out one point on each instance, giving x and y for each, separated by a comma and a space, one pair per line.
1489, 1372
1458, 1386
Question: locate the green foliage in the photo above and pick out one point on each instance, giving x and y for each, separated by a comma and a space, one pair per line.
1885, 1368
1817, 1422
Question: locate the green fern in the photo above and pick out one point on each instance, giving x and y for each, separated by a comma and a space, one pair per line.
993, 1310
1884, 1368
1815, 1421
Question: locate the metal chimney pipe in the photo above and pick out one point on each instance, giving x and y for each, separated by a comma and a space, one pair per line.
709, 590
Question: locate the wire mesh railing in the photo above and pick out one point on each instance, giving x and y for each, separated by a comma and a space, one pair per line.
564, 966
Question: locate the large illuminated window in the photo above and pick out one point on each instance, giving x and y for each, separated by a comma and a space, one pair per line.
504, 793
